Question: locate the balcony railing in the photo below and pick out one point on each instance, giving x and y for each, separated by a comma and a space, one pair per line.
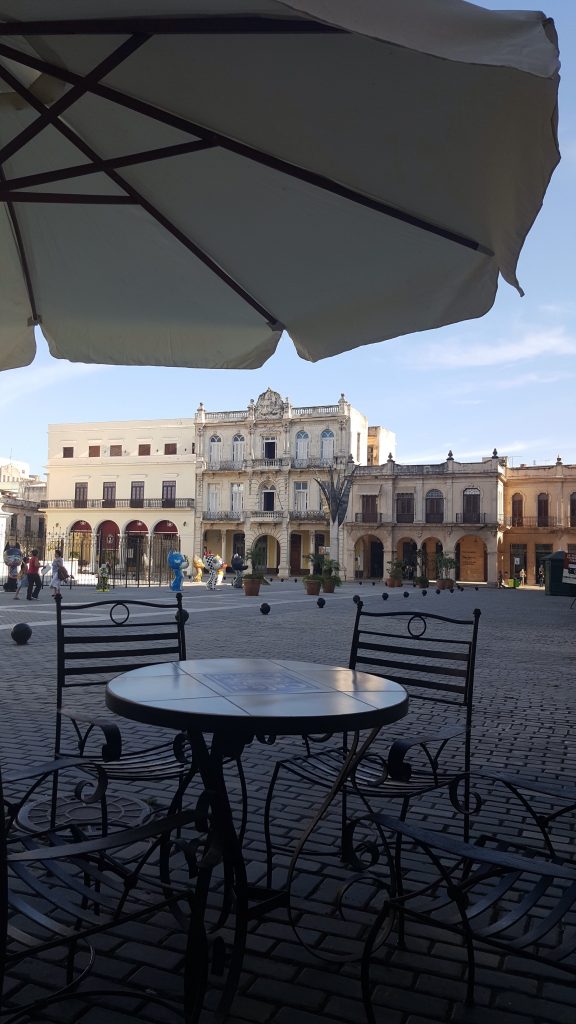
471, 517
308, 514
434, 517
225, 464
404, 517
234, 414
118, 503
223, 516
312, 463
268, 514
538, 522
368, 517
278, 463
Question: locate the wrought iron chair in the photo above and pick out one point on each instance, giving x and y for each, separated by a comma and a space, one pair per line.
96, 641
511, 887
61, 889
433, 656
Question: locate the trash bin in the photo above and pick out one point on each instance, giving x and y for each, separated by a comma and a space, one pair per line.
512, 582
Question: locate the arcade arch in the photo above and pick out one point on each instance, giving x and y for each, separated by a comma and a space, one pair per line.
369, 557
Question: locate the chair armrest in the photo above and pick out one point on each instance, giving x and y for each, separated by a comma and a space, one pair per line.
112, 748
112, 841
511, 861
397, 766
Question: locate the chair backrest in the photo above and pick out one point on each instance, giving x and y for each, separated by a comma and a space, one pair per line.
98, 640
433, 656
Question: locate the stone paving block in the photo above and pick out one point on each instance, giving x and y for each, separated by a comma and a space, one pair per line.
280, 992
524, 713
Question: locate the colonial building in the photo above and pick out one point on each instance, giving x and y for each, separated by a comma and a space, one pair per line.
260, 468
539, 515
122, 492
414, 513
21, 494
236, 480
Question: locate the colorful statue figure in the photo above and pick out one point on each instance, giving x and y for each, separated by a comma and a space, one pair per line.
213, 563
12, 559
177, 562
198, 564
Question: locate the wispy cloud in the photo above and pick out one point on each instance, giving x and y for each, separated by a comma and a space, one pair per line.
41, 378
526, 380
457, 355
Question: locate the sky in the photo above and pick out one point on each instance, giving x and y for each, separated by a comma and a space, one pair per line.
505, 381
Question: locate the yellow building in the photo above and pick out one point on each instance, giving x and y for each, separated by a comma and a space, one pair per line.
121, 492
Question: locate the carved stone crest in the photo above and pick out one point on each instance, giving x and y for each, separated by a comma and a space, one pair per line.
269, 405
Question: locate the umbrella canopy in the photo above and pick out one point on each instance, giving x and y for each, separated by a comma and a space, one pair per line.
182, 180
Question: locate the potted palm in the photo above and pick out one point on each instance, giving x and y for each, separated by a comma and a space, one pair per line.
330, 575
445, 566
421, 581
313, 581
252, 581
395, 573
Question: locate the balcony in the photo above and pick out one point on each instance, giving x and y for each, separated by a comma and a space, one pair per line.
476, 518
313, 463
308, 515
274, 514
227, 516
63, 503
369, 517
226, 465
533, 522
404, 517
267, 463
434, 517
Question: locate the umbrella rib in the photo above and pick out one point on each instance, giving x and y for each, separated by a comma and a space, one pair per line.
198, 25
86, 199
112, 163
164, 221
113, 60
249, 152
35, 319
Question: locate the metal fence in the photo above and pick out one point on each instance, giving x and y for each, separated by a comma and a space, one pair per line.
135, 560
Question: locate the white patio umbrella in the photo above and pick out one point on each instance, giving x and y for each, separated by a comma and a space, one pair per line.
181, 180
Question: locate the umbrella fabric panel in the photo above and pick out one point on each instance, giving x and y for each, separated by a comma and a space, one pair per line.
17, 345
447, 128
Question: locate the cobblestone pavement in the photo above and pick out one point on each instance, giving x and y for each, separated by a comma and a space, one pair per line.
524, 721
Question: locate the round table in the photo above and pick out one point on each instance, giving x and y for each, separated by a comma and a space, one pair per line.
251, 696
235, 700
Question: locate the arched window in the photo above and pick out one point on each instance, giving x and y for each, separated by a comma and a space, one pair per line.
214, 454
302, 446
572, 509
471, 505
327, 445
543, 506
517, 510
238, 449
434, 506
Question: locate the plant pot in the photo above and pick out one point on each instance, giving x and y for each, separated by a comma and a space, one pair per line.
444, 584
392, 581
328, 586
312, 587
251, 587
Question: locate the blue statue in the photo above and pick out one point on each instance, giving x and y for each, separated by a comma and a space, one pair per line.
177, 562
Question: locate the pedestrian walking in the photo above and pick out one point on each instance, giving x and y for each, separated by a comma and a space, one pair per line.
238, 566
22, 578
34, 581
500, 580
522, 577
58, 571
541, 576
